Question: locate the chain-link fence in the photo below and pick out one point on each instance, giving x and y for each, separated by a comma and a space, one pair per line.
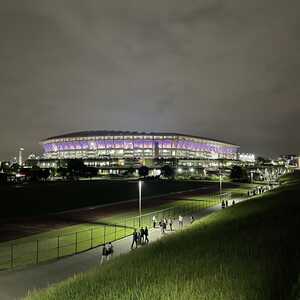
16, 254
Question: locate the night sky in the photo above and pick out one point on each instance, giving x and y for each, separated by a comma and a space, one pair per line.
222, 69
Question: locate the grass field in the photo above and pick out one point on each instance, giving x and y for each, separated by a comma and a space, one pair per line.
77, 238
249, 251
49, 197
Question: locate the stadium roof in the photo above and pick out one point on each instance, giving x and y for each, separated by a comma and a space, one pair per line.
92, 133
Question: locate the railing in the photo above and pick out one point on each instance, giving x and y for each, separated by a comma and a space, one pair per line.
16, 254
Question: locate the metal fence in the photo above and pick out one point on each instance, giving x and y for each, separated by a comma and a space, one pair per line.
15, 254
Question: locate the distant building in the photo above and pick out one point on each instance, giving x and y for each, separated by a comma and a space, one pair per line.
247, 157
289, 159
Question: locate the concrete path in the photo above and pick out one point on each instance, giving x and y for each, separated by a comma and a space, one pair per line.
16, 284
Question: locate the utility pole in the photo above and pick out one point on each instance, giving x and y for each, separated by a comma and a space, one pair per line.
140, 202
220, 181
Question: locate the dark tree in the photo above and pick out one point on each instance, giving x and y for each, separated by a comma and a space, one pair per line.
44, 174
89, 172
75, 168
4, 166
3, 178
143, 171
168, 171
63, 172
239, 173
129, 172
14, 168
261, 160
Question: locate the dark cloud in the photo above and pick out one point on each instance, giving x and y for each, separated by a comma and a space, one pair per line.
222, 69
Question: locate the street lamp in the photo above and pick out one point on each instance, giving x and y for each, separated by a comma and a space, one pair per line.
140, 202
220, 183
251, 172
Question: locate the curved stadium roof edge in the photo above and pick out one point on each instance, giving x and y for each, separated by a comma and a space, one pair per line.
92, 133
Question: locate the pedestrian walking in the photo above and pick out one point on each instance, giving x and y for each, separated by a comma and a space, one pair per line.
154, 221
233, 202
192, 219
134, 239
142, 231
223, 204
104, 254
110, 250
165, 220
226, 203
170, 224
146, 235
164, 225
160, 223
139, 237
180, 221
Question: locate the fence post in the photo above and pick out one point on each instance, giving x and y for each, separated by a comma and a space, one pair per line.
37, 251
76, 239
58, 246
11, 256
92, 230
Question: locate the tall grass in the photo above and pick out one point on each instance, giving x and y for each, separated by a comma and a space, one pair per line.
249, 251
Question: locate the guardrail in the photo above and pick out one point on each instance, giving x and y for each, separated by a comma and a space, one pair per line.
16, 254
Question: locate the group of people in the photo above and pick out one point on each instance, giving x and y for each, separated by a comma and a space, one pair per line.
140, 237
259, 190
107, 252
225, 203
164, 223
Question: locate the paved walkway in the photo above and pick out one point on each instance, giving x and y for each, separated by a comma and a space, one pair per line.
16, 284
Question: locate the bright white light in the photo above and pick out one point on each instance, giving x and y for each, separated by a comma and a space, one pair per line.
179, 170
19, 175
192, 170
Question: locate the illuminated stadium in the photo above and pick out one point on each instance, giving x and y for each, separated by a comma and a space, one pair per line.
98, 147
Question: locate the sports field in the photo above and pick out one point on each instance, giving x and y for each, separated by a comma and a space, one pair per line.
92, 232
74, 239
49, 197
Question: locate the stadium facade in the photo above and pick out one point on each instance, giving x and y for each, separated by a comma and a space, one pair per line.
106, 149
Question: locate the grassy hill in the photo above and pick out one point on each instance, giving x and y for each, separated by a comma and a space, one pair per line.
250, 251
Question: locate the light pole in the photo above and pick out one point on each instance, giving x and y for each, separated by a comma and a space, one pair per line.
140, 202
251, 172
220, 181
